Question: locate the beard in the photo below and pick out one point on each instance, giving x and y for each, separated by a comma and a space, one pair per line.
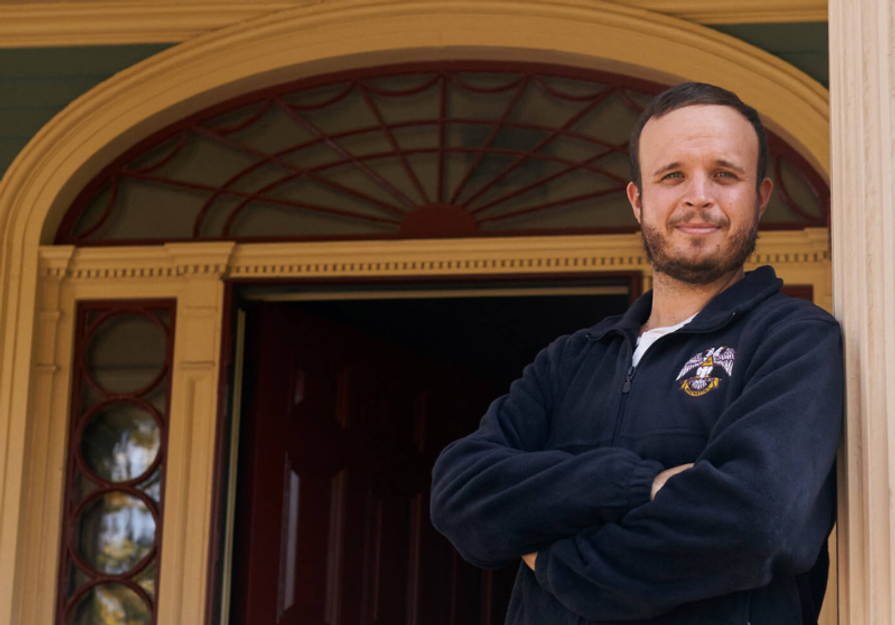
705, 270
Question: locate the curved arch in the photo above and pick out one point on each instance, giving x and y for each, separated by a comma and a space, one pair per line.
328, 37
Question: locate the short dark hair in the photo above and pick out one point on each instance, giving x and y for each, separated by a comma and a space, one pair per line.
695, 94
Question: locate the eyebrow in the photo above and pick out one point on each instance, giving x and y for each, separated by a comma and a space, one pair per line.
721, 162
730, 165
665, 168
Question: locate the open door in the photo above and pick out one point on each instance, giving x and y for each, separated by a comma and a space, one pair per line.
340, 433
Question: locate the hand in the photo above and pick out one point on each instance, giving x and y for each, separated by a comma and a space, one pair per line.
661, 478
530, 560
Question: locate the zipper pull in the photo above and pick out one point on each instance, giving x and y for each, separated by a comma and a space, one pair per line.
627, 386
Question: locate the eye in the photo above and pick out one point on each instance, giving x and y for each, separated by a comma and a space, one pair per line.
726, 174
674, 174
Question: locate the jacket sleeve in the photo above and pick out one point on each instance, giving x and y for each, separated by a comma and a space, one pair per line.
759, 500
498, 494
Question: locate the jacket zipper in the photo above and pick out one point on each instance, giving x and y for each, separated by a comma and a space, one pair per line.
626, 388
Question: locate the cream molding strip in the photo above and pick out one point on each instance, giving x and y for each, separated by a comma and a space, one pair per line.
51, 24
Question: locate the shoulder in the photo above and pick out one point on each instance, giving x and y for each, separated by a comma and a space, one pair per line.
784, 328
782, 312
565, 354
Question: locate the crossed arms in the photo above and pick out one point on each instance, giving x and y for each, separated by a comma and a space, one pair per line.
758, 499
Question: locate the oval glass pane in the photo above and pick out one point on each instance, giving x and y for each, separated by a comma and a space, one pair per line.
126, 353
115, 532
111, 604
121, 442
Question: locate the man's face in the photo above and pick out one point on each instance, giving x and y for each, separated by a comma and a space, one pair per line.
698, 206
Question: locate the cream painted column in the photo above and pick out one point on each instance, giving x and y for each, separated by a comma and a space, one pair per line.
862, 72
191, 431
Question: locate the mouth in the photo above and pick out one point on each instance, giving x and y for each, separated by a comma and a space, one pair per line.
698, 229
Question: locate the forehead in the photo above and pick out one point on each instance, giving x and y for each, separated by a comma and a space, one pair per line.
698, 131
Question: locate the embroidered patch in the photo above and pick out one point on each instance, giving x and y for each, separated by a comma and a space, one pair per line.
705, 363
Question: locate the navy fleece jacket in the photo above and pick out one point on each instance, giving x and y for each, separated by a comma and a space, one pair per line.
750, 391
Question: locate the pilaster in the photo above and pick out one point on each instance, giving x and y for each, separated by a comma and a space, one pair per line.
189, 480
862, 73
48, 436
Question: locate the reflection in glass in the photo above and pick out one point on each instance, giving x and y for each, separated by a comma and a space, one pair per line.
153, 486
111, 604
121, 442
126, 353
115, 532
146, 579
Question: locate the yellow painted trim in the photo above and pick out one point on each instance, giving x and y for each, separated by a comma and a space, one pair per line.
737, 11
48, 24
35, 315
376, 294
35, 25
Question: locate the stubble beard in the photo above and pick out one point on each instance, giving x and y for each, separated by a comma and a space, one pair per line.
703, 271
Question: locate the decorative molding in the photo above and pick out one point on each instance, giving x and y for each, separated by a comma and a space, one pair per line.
55, 261
736, 11
376, 259
210, 261
48, 24
862, 78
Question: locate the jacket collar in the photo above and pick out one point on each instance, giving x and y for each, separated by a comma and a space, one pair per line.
755, 287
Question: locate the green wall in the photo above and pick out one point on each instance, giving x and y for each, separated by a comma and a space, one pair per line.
37, 83
805, 45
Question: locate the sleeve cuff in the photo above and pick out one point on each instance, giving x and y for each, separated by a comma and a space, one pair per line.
641, 483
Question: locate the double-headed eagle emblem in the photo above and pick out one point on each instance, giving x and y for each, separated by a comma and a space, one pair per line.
704, 363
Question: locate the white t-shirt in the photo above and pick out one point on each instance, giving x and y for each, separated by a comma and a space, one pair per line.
645, 340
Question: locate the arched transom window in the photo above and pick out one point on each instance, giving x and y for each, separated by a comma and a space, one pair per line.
412, 151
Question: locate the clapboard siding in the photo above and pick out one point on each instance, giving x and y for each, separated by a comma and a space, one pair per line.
37, 83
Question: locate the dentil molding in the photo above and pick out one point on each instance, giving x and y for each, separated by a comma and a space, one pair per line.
410, 258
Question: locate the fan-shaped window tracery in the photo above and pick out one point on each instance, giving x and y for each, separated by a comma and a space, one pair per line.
413, 151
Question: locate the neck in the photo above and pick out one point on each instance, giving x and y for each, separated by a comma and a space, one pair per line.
674, 301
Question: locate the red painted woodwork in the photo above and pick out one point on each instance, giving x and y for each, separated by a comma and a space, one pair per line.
356, 423
802, 291
461, 148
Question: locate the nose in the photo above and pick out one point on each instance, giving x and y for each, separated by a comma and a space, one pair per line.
698, 192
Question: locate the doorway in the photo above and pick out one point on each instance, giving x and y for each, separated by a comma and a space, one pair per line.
349, 395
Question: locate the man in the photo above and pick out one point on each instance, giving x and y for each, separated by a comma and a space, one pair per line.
675, 464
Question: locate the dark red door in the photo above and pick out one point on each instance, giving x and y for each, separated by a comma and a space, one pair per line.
340, 435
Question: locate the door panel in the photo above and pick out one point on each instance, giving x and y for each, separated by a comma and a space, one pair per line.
341, 432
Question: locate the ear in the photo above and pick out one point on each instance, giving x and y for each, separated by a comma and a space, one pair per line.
634, 199
764, 195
